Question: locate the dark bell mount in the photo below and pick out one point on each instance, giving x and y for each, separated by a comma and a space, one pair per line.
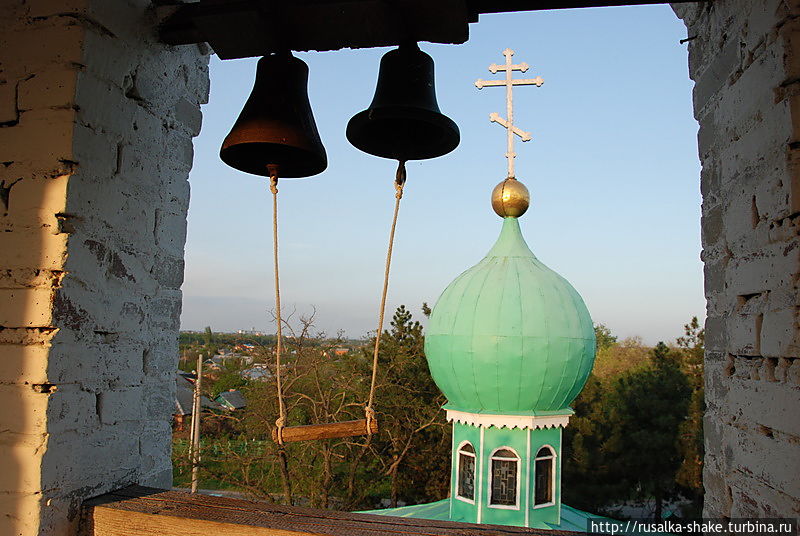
276, 126
404, 121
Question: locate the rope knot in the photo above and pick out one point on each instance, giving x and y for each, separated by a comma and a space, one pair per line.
273, 178
280, 424
369, 413
400, 178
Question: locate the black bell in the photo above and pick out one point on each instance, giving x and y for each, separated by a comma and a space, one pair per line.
404, 122
276, 126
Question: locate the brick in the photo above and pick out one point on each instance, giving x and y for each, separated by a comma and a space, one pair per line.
21, 477
780, 334
716, 334
168, 271
108, 457
21, 510
29, 307
45, 43
121, 405
157, 464
779, 469
30, 410
35, 202
42, 138
774, 267
50, 88
716, 75
170, 232
95, 152
766, 403
23, 363
744, 331
71, 409
712, 225
188, 114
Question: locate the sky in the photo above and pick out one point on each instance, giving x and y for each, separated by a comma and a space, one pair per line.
612, 170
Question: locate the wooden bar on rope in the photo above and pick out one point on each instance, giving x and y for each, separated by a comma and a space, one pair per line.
311, 432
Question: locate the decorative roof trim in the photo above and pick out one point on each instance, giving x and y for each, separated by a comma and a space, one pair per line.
522, 422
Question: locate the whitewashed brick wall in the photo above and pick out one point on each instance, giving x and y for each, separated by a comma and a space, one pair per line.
744, 57
96, 127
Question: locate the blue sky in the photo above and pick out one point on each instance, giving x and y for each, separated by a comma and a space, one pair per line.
612, 170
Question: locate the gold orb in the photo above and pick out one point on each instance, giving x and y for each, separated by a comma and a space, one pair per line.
510, 198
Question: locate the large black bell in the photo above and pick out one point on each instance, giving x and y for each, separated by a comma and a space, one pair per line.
404, 122
276, 126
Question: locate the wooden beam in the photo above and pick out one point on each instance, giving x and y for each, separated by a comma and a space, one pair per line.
313, 432
480, 7
245, 28
139, 511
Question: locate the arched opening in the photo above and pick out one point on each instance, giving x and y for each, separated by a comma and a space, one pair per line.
544, 477
465, 477
504, 479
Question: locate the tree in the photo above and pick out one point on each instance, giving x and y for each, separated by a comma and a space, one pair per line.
591, 476
415, 436
605, 339
690, 474
208, 339
646, 410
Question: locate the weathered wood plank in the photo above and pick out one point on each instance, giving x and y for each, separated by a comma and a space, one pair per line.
139, 511
313, 432
112, 522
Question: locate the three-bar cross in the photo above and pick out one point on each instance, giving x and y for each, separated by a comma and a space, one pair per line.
508, 122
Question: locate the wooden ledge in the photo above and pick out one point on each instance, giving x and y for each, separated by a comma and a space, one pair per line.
139, 511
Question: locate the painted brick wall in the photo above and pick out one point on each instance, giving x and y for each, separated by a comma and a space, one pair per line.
744, 57
96, 127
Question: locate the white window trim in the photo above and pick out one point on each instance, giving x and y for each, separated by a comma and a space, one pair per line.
458, 471
516, 494
552, 457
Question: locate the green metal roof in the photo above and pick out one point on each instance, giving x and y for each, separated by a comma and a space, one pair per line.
571, 518
509, 335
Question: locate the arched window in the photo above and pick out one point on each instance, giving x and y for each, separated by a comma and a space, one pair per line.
545, 472
504, 478
465, 478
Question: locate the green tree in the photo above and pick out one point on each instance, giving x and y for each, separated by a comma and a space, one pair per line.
230, 377
415, 442
646, 409
605, 339
208, 339
690, 475
591, 476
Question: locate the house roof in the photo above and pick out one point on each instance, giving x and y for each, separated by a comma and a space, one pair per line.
232, 399
184, 394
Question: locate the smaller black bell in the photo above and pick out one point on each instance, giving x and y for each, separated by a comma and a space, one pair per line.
276, 126
404, 122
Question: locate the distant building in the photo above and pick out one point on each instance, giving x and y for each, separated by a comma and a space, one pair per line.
184, 396
231, 400
258, 372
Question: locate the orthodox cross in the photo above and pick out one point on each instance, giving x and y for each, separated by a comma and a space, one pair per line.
508, 122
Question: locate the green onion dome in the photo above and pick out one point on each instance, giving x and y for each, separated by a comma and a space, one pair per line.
509, 335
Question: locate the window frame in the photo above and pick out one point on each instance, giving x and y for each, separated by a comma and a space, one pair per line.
518, 460
475, 475
552, 458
